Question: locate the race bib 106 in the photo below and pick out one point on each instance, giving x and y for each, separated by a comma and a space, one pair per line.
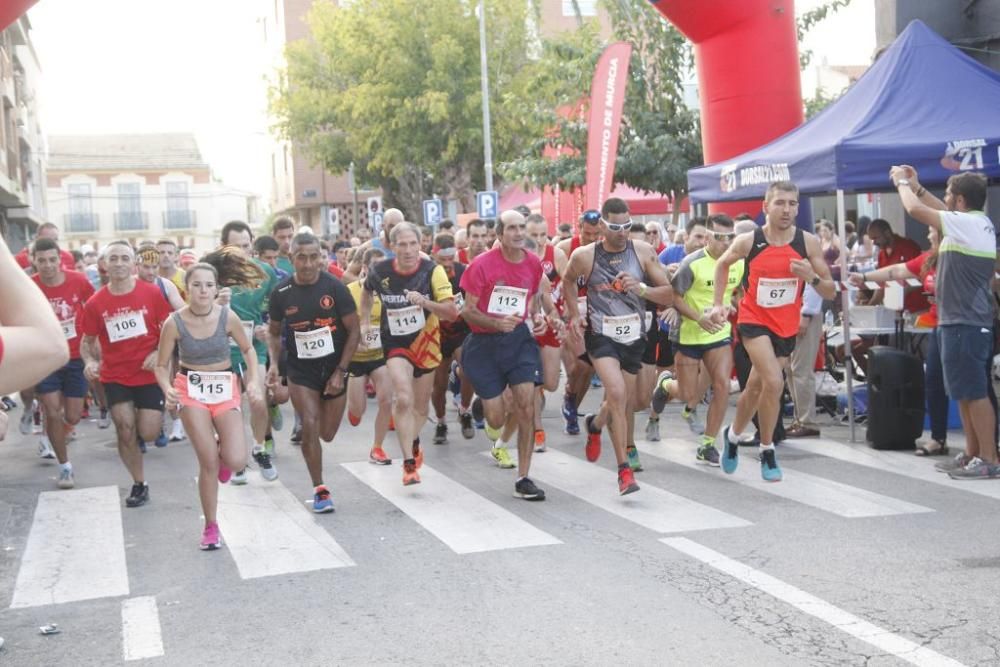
123, 327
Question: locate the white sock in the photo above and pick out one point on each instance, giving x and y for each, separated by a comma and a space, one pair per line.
501, 443
734, 437
764, 447
66, 466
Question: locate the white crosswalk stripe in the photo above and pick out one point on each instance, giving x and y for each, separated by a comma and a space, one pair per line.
268, 531
652, 507
465, 521
823, 494
897, 463
75, 551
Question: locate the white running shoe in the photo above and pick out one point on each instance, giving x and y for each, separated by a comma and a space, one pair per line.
45, 450
177, 432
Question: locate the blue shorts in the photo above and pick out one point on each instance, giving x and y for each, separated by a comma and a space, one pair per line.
69, 380
966, 357
493, 362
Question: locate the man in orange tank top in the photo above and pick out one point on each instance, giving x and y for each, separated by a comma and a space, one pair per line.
780, 260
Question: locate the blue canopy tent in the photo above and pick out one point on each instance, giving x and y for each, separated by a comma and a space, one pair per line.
922, 103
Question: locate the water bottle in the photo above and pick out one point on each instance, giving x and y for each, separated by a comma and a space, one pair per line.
828, 319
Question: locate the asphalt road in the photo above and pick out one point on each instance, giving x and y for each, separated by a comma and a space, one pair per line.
857, 558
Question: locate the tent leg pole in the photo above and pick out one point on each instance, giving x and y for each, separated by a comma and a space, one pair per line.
845, 305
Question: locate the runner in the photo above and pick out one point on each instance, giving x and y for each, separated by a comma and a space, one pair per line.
390, 219
780, 259
168, 268
453, 334
283, 229
205, 390
317, 315
477, 234
701, 339
368, 364
612, 325
577, 364
550, 343
121, 331
61, 393
250, 282
415, 295
501, 352
148, 260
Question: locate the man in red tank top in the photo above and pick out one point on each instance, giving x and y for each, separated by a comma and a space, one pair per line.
780, 260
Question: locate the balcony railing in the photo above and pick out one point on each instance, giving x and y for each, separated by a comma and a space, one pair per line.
78, 223
180, 219
132, 221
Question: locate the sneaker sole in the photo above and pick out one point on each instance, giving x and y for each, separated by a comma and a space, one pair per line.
632, 488
529, 496
410, 482
376, 462
325, 510
210, 547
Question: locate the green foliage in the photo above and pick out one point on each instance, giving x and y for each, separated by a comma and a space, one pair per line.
394, 86
659, 138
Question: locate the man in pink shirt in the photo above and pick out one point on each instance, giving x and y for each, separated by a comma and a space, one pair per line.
501, 352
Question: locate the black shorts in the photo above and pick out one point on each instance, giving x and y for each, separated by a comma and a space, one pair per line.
698, 351
314, 374
143, 396
629, 355
360, 369
783, 347
450, 344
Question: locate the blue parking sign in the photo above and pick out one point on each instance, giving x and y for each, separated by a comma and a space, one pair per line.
487, 204
433, 212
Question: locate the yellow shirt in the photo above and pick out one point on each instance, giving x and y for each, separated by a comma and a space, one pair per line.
364, 353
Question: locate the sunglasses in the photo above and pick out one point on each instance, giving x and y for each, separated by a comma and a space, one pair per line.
591, 217
625, 226
720, 236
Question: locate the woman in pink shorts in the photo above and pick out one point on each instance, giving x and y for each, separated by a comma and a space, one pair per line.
205, 387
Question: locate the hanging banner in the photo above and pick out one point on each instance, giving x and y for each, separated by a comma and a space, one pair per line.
607, 97
11, 10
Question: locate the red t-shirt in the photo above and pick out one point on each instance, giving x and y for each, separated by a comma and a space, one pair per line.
135, 320
491, 270
903, 250
463, 256
915, 266
67, 301
335, 270
68, 263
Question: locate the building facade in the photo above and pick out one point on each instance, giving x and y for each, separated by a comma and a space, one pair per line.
22, 143
138, 187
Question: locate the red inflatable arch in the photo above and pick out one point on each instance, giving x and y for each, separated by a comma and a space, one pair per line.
748, 72
11, 10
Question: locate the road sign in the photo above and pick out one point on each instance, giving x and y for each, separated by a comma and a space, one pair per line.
487, 204
377, 223
375, 205
432, 211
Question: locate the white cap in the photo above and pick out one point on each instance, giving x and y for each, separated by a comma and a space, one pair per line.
86, 249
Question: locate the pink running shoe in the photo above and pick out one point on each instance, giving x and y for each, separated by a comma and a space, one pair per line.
210, 539
224, 474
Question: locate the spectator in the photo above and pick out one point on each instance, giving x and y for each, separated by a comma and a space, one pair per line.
967, 257
830, 243
802, 364
654, 236
894, 249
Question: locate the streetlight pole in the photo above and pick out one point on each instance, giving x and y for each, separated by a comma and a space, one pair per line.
354, 194
487, 142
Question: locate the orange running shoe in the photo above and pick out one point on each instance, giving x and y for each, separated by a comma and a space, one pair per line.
378, 456
593, 449
418, 453
410, 474
626, 481
539, 440
392, 424
354, 419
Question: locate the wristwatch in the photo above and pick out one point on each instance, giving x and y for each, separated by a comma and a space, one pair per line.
903, 181
815, 281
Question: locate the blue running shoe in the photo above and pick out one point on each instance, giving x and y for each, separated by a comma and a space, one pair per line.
478, 416
322, 502
595, 382
161, 440
730, 454
570, 416
769, 468
142, 445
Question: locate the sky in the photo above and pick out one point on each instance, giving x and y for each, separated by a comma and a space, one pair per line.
114, 66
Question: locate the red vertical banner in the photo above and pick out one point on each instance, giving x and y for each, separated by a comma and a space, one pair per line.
607, 98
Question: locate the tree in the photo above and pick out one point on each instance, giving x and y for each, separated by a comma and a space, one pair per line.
394, 86
659, 139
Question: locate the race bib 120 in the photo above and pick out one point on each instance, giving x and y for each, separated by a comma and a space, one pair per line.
314, 344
